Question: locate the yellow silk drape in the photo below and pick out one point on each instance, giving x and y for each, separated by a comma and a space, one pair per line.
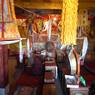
69, 22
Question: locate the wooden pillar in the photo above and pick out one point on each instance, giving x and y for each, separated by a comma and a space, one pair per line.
3, 69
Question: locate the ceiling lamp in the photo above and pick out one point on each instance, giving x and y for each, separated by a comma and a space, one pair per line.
69, 22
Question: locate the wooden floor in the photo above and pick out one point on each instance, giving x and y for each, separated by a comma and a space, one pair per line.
11, 74
49, 89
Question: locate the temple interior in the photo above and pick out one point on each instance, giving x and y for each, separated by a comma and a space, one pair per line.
47, 47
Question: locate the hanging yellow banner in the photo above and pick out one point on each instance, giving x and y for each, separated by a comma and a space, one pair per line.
69, 22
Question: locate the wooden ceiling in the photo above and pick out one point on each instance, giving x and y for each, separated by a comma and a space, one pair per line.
50, 4
39, 0
52, 0
87, 1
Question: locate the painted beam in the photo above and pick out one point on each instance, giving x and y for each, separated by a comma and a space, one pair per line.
50, 5
40, 5
83, 5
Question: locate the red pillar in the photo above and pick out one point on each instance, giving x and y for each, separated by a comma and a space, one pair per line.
3, 68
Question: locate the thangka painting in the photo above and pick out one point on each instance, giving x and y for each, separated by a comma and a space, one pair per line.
83, 27
8, 25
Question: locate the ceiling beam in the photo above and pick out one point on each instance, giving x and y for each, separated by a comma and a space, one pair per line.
50, 5
83, 5
40, 5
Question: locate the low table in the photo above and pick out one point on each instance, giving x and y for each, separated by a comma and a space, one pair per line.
79, 91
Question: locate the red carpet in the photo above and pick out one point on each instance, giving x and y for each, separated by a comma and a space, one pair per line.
28, 80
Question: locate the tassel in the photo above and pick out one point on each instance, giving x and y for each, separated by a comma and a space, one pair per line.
20, 51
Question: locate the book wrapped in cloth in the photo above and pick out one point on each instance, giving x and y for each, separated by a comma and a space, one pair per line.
51, 67
49, 77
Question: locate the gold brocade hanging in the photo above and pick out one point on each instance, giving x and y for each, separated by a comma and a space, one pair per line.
69, 22
8, 20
